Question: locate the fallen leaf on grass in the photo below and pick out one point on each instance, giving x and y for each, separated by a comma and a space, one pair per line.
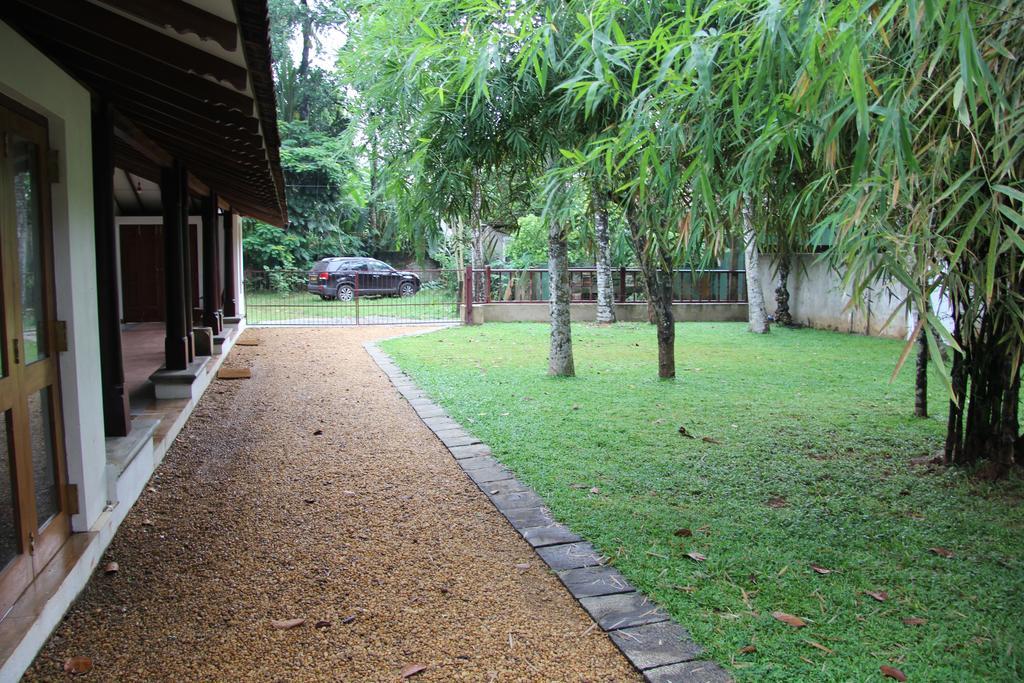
410, 670
285, 624
818, 646
595, 490
795, 622
77, 665
881, 596
748, 650
697, 557
777, 502
941, 552
683, 432
710, 439
893, 673
682, 532
915, 621
820, 570
111, 568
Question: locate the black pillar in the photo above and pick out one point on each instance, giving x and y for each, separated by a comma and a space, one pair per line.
211, 288
230, 295
116, 415
176, 343
186, 248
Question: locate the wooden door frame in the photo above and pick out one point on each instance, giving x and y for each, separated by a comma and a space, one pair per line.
35, 551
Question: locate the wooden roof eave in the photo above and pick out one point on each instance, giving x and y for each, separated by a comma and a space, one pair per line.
177, 101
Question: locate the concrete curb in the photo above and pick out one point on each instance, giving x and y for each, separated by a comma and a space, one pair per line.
660, 649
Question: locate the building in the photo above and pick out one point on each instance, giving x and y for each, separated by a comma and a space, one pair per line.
133, 136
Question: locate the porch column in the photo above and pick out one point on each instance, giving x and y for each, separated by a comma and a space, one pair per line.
176, 343
230, 293
116, 415
211, 286
186, 249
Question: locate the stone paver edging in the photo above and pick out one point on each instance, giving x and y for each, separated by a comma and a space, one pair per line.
659, 648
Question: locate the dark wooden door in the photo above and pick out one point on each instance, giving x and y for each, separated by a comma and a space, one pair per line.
142, 273
34, 517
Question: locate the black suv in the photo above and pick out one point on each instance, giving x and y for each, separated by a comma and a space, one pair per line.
339, 277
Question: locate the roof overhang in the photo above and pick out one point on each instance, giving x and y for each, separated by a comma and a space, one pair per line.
189, 80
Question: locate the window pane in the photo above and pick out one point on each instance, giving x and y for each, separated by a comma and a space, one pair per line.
8, 498
25, 155
44, 474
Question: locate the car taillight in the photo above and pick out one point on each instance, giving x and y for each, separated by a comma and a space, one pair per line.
323, 276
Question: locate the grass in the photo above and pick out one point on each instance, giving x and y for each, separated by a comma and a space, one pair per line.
808, 417
429, 304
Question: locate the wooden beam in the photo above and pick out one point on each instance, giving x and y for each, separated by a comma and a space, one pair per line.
181, 17
211, 281
126, 131
80, 49
116, 416
176, 341
120, 87
107, 25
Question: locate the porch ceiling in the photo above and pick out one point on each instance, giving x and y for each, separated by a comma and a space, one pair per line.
188, 82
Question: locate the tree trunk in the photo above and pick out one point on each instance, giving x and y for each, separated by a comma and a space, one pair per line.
921, 380
756, 312
475, 227
983, 417
657, 280
307, 44
560, 361
605, 289
782, 314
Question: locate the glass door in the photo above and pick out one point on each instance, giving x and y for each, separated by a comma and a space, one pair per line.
34, 522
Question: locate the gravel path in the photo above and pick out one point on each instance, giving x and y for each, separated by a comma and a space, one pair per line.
312, 491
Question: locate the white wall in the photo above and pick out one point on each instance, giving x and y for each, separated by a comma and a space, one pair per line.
817, 298
31, 79
239, 265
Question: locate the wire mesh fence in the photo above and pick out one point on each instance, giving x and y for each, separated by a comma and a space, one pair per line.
322, 297
303, 299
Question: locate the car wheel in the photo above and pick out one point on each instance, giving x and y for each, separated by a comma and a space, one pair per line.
407, 289
346, 293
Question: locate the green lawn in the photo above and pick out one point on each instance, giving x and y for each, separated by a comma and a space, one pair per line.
263, 307
805, 419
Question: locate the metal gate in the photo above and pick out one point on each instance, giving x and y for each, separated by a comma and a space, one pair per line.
297, 298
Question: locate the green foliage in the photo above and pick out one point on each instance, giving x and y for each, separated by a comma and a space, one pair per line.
529, 247
853, 504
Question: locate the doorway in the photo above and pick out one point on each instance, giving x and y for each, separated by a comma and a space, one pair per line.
34, 510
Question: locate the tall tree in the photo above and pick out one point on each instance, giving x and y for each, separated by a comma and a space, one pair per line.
603, 260
757, 314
